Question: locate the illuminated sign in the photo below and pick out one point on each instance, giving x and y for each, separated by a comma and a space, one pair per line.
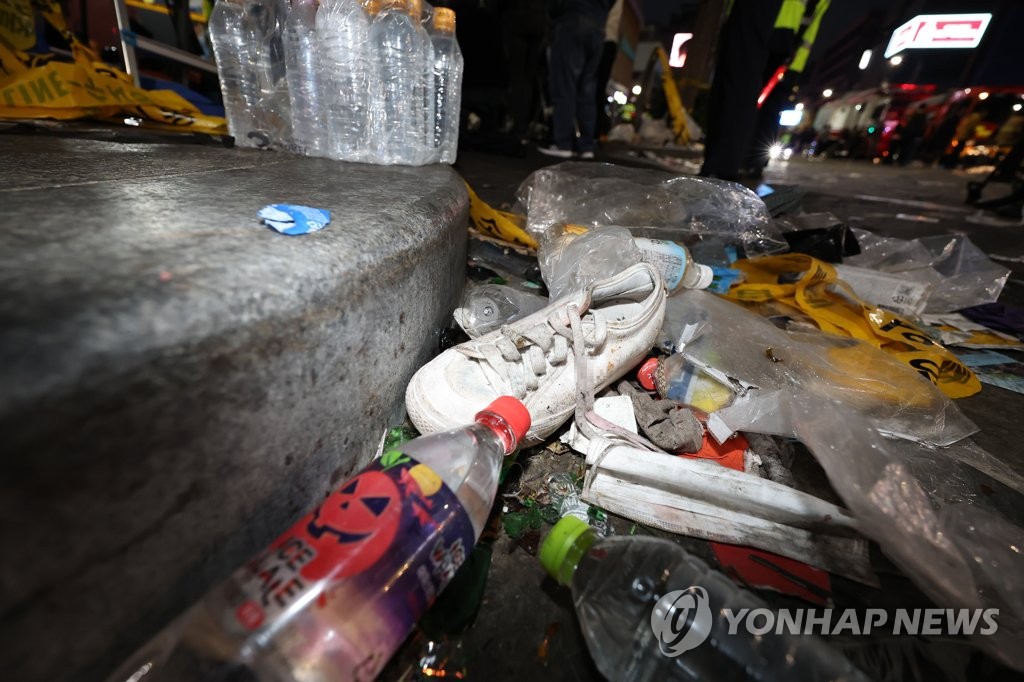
939, 31
677, 57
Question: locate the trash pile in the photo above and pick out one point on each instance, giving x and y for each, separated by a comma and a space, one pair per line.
671, 371
377, 81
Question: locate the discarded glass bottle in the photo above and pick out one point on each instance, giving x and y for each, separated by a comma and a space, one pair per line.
650, 611
333, 597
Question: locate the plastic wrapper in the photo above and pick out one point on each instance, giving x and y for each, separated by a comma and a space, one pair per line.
569, 262
650, 203
924, 509
961, 275
486, 307
767, 367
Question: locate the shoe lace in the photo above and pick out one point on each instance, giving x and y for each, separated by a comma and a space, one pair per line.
523, 358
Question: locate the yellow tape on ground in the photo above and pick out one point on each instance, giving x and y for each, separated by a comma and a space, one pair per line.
500, 224
40, 86
813, 287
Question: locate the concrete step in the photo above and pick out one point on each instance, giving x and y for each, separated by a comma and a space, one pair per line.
178, 382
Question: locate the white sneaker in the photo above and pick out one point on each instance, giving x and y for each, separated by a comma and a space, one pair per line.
611, 326
556, 151
586, 156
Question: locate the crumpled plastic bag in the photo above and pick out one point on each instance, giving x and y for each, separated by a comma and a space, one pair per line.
960, 273
650, 203
923, 507
767, 366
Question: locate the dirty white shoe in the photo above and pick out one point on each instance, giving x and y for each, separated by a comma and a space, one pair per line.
610, 326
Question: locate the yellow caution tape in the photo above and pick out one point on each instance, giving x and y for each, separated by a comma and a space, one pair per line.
814, 288
674, 101
500, 224
17, 24
40, 86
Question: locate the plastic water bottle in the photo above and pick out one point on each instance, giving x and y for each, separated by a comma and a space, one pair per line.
486, 307
447, 73
333, 597
676, 379
248, 42
237, 76
569, 262
343, 32
425, 85
303, 74
638, 597
397, 45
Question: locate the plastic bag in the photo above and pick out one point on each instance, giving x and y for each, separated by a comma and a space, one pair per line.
767, 367
961, 274
650, 203
569, 262
962, 549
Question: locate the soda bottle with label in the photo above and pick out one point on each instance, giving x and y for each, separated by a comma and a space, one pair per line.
333, 597
650, 611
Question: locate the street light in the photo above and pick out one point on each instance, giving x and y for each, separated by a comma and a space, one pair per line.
982, 95
637, 89
865, 59
1017, 107
799, 106
827, 92
896, 61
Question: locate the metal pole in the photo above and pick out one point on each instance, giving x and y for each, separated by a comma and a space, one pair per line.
127, 38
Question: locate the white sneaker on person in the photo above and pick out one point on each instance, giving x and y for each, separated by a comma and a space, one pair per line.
586, 156
610, 326
556, 151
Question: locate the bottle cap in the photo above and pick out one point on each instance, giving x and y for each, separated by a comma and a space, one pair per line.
372, 7
645, 375
705, 276
513, 412
444, 19
561, 551
415, 8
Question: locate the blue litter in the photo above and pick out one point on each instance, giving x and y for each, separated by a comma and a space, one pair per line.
293, 220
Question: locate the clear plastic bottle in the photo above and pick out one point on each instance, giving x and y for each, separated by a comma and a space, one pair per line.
424, 115
617, 583
571, 261
332, 598
396, 42
346, 75
486, 307
248, 42
303, 73
676, 379
447, 87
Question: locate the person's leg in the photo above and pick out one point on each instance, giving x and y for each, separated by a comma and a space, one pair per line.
591, 43
565, 66
742, 54
609, 51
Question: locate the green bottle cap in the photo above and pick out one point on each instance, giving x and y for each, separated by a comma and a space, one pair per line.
564, 546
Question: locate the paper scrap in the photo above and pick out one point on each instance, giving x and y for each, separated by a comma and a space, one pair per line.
294, 220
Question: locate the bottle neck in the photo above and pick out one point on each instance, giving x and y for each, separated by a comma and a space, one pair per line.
501, 429
574, 554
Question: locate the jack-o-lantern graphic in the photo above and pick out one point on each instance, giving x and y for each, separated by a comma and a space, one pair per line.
354, 527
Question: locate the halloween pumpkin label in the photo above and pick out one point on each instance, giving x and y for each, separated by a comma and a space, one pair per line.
393, 535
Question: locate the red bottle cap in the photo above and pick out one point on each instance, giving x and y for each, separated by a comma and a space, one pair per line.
645, 375
514, 413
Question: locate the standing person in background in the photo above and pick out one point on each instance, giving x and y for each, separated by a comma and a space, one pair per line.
732, 105
792, 18
524, 28
572, 74
604, 69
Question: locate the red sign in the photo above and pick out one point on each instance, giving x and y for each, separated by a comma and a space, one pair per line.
939, 31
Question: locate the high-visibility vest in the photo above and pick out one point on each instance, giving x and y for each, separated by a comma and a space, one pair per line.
790, 15
808, 37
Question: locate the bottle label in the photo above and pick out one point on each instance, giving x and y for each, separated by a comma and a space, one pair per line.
379, 549
667, 257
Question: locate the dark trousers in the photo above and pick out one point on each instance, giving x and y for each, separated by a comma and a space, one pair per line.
743, 51
575, 54
609, 51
